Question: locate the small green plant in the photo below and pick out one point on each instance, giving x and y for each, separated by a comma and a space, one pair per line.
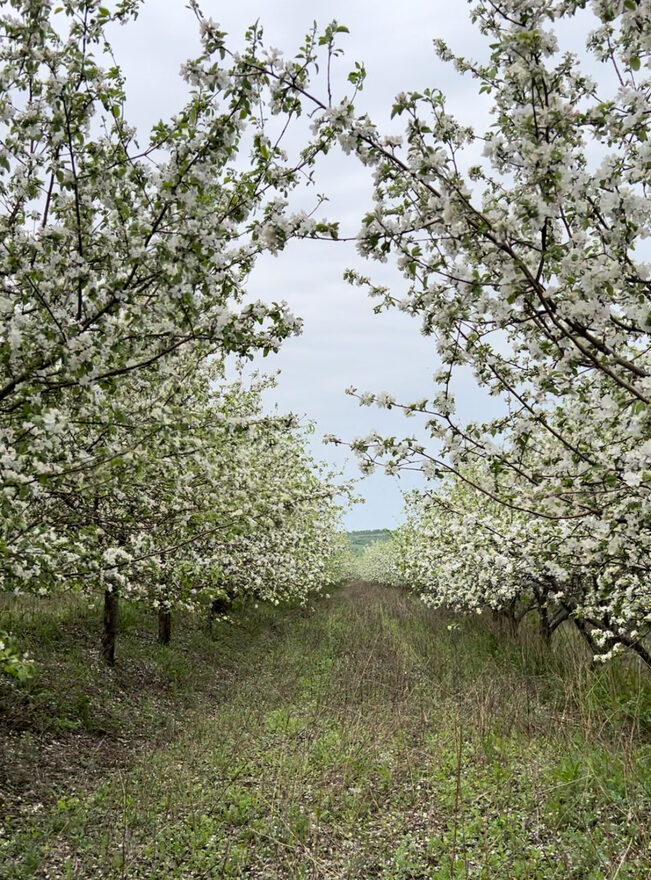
13, 662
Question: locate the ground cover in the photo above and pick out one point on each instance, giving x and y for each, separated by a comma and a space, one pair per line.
368, 737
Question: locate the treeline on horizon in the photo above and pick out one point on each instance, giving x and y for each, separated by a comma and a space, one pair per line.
359, 539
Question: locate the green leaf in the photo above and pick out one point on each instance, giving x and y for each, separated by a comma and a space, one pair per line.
635, 63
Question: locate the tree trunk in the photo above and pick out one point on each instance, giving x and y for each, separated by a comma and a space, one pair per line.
583, 629
218, 606
639, 649
545, 625
560, 617
509, 622
111, 613
164, 626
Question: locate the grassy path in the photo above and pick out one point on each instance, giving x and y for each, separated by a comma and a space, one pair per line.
365, 740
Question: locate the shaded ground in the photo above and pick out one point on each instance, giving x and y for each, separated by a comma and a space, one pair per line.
368, 739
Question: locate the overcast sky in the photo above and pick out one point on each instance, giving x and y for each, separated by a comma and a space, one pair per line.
343, 342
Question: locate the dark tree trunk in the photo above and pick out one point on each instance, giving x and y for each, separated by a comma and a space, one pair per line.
111, 615
545, 625
583, 629
164, 626
639, 649
219, 606
506, 621
560, 617
509, 622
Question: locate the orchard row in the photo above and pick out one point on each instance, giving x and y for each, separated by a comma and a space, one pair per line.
532, 272
129, 466
126, 466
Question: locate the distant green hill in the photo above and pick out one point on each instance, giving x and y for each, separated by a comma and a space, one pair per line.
361, 539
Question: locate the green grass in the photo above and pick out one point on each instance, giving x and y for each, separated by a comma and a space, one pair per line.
360, 540
363, 740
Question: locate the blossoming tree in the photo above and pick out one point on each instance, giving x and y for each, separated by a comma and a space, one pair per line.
123, 267
528, 270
